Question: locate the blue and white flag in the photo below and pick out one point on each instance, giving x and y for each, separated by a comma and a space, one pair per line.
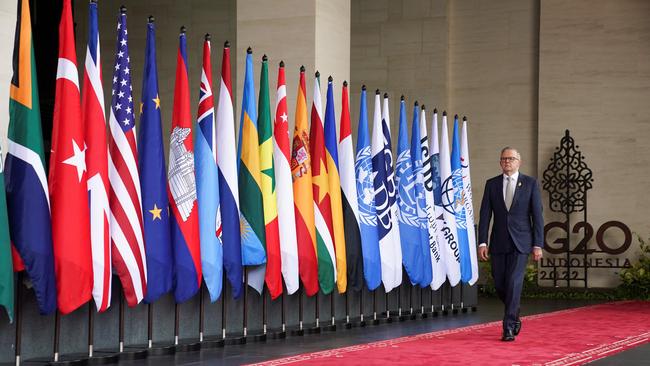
420, 191
437, 262
469, 208
407, 200
365, 178
385, 199
228, 186
459, 207
448, 201
207, 187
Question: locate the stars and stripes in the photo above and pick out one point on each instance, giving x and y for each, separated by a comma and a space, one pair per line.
125, 197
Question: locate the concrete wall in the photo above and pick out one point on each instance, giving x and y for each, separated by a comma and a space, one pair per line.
595, 81
8, 18
399, 47
523, 73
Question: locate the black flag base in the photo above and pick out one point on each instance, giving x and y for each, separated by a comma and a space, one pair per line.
316, 329
276, 334
298, 332
212, 342
99, 358
73, 359
161, 349
329, 328
188, 345
234, 339
256, 337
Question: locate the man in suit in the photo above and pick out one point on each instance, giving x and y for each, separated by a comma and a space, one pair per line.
513, 200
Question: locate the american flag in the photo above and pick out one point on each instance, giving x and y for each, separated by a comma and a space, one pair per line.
126, 212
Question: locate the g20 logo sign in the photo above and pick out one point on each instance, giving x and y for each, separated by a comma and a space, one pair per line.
561, 243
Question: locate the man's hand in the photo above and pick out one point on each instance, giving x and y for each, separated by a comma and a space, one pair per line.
483, 253
537, 254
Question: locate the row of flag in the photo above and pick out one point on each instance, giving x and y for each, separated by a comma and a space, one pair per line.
271, 211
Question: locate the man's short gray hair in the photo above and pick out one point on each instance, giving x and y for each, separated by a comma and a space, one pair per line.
511, 149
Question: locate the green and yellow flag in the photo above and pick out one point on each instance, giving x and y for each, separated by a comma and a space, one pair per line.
273, 276
250, 193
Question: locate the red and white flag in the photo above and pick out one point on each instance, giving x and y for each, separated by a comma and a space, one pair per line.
68, 180
127, 240
92, 108
284, 188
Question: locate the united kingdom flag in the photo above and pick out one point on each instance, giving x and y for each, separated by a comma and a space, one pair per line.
127, 247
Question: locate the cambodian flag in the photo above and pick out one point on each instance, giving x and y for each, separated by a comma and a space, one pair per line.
182, 186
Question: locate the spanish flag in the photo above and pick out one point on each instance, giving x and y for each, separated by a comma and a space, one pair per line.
302, 194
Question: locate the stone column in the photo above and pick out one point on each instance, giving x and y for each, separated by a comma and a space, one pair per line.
314, 33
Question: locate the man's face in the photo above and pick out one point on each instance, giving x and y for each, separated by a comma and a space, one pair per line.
510, 162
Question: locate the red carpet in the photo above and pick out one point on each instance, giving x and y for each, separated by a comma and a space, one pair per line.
568, 337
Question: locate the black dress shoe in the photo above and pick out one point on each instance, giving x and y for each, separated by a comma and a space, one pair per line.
508, 335
517, 327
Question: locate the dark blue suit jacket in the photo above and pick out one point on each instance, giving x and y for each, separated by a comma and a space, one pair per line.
524, 223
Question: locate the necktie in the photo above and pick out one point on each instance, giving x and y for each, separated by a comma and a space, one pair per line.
509, 192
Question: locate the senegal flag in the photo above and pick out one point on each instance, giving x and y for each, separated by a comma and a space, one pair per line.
322, 200
302, 194
273, 276
250, 194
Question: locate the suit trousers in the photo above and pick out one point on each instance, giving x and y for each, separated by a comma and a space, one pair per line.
508, 270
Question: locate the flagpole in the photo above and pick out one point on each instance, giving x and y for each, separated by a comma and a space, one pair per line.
399, 304
300, 331
201, 313
375, 321
316, 328
264, 310
442, 303
19, 316
57, 320
348, 325
454, 310
121, 327
176, 316
245, 320
91, 328
223, 307
332, 326
284, 324
362, 323
411, 300
149, 326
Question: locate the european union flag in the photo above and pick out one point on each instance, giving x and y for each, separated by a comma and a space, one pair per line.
153, 180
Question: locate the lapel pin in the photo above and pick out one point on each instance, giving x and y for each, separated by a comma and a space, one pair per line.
519, 184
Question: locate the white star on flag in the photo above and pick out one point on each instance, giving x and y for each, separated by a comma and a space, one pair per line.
78, 159
284, 117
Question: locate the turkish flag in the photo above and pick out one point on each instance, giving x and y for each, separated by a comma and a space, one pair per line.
67, 180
